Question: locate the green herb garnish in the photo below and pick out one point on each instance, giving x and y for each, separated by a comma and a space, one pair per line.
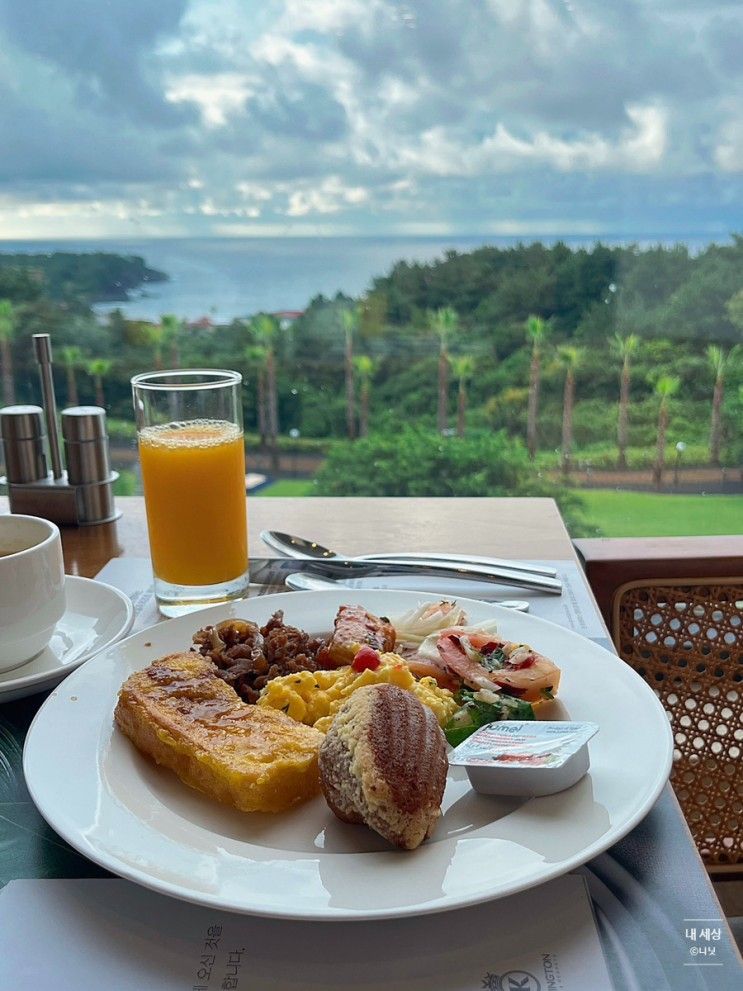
494, 661
475, 713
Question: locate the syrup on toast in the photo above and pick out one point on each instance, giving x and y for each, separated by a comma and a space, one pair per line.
179, 713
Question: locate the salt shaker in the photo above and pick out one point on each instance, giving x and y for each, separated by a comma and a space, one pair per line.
88, 467
22, 431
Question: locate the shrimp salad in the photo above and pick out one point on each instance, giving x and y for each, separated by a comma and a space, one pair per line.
492, 679
469, 675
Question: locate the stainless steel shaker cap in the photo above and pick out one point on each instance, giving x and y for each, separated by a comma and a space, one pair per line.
21, 422
83, 423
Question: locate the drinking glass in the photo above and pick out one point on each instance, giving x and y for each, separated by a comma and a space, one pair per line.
192, 455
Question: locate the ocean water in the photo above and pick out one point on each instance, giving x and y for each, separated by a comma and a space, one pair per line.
228, 277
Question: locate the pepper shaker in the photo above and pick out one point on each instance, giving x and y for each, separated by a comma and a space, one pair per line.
88, 468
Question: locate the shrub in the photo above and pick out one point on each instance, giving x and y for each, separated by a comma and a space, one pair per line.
422, 463
121, 429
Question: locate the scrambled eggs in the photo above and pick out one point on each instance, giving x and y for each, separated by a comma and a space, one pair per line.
314, 697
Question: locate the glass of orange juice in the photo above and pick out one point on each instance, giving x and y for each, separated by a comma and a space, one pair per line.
192, 456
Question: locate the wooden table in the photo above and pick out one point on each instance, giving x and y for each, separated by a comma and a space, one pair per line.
643, 887
515, 528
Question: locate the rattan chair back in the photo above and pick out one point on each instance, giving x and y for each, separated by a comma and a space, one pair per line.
685, 638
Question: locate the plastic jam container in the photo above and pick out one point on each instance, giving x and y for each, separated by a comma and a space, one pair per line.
525, 758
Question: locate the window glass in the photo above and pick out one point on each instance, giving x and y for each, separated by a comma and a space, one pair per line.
454, 247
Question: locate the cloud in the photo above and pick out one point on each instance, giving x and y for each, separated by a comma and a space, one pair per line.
729, 150
45, 142
329, 197
217, 95
107, 51
370, 115
640, 148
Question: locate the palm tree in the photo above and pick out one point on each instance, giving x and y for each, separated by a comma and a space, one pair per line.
257, 355
537, 331
155, 336
570, 357
463, 367
98, 369
625, 348
734, 307
171, 328
718, 360
665, 387
72, 359
444, 323
265, 329
365, 367
7, 331
350, 320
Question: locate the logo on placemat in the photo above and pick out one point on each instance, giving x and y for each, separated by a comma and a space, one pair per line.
514, 980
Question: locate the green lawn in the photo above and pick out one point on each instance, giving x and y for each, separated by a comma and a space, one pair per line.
645, 514
286, 487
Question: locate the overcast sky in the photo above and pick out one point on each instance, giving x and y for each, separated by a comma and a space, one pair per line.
178, 117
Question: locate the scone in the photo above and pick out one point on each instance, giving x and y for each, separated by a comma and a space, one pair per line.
383, 762
179, 713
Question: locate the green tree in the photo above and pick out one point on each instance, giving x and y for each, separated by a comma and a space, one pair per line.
570, 358
172, 328
625, 348
665, 388
147, 335
156, 338
8, 324
463, 366
256, 356
98, 369
266, 330
734, 404
734, 307
508, 409
537, 332
718, 361
365, 367
443, 323
72, 359
350, 321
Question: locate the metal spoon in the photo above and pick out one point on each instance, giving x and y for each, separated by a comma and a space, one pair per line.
303, 582
298, 547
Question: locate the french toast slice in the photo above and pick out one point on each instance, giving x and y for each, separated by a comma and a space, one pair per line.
179, 713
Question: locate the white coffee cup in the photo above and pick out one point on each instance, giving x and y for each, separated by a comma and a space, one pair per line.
32, 593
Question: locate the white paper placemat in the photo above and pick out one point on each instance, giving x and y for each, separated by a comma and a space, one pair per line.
71, 935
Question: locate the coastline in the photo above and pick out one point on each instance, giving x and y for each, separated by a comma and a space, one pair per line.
224, 278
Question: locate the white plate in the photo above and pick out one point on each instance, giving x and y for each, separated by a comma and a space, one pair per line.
97, 615
139, 821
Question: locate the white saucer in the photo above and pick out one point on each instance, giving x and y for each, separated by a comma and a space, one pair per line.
97, 615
